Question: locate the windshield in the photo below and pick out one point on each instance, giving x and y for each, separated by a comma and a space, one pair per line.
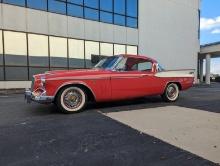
107, 63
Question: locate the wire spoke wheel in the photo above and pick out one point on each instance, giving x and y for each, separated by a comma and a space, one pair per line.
72, 99
171, 93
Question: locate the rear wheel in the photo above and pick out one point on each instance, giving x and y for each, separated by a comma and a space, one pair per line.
71, 100
171, 93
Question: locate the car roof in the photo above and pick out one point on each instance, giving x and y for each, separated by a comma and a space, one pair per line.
139, 57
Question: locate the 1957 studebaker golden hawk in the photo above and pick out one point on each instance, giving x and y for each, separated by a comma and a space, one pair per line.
114, 78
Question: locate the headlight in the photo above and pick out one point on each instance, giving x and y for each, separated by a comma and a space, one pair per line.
43, 81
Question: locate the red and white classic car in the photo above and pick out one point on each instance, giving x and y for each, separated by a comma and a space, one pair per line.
114, 78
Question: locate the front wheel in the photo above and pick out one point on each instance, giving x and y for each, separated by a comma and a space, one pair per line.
171, 93
71, 100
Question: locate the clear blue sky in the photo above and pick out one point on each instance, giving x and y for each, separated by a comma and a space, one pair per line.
210, 27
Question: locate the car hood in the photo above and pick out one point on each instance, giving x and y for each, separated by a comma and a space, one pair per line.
80, 73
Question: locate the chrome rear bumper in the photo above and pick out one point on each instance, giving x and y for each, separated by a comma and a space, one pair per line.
42, 98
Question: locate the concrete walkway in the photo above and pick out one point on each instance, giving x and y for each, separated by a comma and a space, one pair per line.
193, 130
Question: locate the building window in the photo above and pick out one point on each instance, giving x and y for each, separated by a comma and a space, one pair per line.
91, 14
75, 10
15, 48
106, 5
58, 52
1, 49
119, 20
79, 2
91, 48
15, 56
15, 2
119, 7
106, 17
57, 6
91, 3
132, 50
119, 12
1, 58
132, 7
27, 53
38, 50
39, 4
106, 49
76, 53
119, 49
1, 73
131, 22
16, 73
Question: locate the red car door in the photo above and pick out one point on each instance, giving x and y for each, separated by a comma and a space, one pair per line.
130, 84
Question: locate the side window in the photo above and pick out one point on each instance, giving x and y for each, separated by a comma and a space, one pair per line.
144, 66
121, 66
159, 68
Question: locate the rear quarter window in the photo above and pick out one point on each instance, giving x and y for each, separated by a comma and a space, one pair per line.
144, 66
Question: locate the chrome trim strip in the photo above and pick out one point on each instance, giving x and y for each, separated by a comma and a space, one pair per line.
79, 78
121, 77
94, 77
131, 76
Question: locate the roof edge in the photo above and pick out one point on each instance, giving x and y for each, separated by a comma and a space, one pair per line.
211, 44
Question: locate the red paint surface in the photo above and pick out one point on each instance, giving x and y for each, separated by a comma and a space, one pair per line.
109, 85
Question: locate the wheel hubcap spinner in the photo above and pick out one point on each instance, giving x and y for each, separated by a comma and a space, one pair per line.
172, 92
72, 99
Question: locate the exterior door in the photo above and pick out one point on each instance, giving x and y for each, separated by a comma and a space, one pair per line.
130, 84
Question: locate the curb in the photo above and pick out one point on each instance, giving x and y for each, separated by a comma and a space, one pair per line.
11, 91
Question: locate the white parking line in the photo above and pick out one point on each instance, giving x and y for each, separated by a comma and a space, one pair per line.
193, 130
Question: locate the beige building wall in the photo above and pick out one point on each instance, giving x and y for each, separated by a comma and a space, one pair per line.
168, 32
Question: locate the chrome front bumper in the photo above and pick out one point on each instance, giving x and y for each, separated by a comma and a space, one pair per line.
43, 99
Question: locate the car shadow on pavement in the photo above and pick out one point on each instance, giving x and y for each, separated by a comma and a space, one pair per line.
190, 99
134, 104
201, 97
128, 105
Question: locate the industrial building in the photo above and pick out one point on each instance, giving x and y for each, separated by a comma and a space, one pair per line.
41, 35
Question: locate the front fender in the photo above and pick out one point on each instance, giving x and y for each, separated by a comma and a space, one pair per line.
74, 83
99, 87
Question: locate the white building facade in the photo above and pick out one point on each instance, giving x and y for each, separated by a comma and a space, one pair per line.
41, 35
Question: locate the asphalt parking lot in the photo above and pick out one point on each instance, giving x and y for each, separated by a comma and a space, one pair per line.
39, 135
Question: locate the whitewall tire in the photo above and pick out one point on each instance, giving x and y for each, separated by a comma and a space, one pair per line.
171, 93
71, 99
